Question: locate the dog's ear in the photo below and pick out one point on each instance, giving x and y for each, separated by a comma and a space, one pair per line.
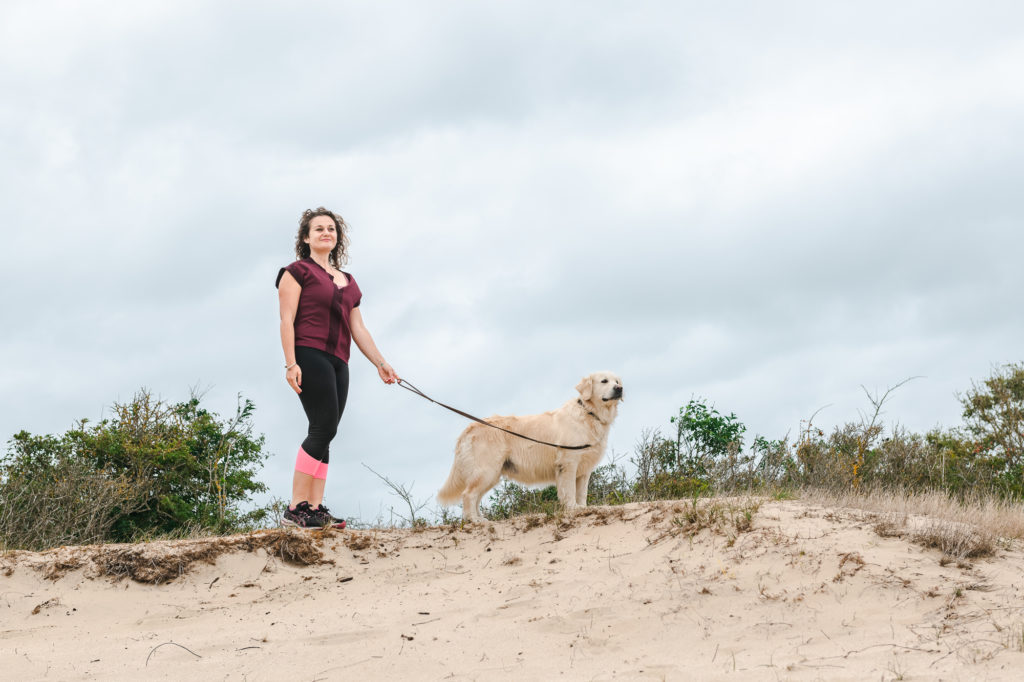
586, 388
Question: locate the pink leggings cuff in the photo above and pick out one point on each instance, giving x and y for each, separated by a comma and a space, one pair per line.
321, 471
305, 464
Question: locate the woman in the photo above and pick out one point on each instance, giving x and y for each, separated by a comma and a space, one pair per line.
319, 317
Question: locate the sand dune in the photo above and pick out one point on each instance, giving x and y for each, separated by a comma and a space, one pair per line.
794, 592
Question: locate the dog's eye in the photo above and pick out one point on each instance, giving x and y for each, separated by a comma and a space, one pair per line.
604, 381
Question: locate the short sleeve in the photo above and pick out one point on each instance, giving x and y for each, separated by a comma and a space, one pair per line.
296, 271
358, 293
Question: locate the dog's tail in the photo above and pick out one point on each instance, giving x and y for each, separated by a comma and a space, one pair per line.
451, 491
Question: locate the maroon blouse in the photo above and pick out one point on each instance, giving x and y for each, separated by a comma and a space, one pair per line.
322, 319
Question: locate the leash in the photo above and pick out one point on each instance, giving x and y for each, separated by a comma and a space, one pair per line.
409, 387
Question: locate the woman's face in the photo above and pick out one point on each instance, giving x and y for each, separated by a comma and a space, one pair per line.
323, 234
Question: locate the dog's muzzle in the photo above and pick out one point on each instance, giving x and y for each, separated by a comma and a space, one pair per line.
616, 394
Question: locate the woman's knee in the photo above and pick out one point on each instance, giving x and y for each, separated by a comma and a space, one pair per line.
329, 432
318, 439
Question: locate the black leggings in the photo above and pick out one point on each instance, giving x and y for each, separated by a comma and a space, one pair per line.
324, 392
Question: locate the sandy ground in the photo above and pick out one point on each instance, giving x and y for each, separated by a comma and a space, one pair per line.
806, 593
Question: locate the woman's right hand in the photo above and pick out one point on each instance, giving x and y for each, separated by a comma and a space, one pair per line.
294, 377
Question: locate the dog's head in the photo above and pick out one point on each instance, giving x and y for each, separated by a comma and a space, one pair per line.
600, 388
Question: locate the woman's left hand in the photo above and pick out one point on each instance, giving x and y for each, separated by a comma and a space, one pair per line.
387, 373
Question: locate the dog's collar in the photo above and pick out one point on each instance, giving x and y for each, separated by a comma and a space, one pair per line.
589, 412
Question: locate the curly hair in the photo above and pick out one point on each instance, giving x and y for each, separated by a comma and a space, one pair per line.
339, 256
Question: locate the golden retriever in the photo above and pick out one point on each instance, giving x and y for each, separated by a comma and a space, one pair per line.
483, 454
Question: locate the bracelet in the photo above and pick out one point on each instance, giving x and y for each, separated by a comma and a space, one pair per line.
288, 367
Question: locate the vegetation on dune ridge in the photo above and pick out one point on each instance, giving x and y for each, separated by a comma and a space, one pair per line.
158, 469
154, 469
981, 460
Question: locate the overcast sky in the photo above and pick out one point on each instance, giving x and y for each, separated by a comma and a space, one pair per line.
764, 204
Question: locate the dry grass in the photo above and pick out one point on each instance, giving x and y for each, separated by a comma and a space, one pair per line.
717, 515
960, 529
849, 564
891, 525
358, 541
955, 540
989, 516
163, 561
159, 562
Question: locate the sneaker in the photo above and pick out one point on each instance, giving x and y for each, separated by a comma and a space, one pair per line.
302, 516
324, 518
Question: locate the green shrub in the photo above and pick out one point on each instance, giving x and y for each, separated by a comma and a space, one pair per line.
51, 495
610, 484
668, 486
706, 455
152, 469
994, 416
985, 456
704, 438
510, 499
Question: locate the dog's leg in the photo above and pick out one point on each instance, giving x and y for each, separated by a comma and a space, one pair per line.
475, 492
471, 505
565, 481
582, 485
